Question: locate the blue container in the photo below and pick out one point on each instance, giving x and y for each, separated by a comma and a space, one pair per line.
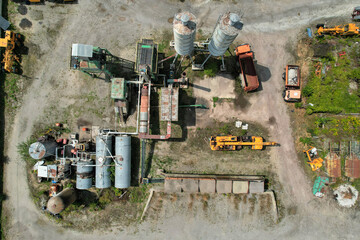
84, 174
122, 161
103, 160
309, 32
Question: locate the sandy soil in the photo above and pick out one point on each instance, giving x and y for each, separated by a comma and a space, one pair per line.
270, 26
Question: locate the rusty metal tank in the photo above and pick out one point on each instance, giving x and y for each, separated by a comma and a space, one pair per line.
226, 30
39, 150
103, 160
122, 161
144, 110
61, 201
84, 174
184, 27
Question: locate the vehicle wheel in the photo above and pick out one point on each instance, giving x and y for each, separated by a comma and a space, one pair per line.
320, 25
283, 94
283, 76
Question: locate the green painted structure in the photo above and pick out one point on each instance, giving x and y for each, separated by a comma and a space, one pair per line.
118, 88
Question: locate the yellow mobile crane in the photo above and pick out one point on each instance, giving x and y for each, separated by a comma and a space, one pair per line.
340, 30
233, 143
10, 59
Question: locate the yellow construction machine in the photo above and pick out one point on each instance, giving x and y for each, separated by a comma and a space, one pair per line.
314, 160
233, 143
340, 30
10, 42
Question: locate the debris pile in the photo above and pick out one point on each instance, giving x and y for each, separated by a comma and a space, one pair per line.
346, 195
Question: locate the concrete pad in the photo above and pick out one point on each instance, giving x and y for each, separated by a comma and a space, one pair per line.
240, 186
256, 187
221, 86
190, 185
207, 186
223, 186
172, 185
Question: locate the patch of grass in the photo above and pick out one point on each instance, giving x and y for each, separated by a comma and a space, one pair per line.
211, 69
215, 100
138, 194
330, 93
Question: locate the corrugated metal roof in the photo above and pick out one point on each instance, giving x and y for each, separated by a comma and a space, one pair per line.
4, 24
169, 104
352, 166
333, 165
81, 50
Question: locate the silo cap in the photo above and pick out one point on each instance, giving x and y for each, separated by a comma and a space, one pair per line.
185, 18
234, 18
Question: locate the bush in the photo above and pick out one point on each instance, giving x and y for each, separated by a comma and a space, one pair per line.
306, 140
298, 105
307, 91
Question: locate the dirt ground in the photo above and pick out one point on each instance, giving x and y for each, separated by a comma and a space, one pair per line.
270, 27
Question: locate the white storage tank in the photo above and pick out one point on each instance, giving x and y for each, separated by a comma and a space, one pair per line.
184, 27
226, 30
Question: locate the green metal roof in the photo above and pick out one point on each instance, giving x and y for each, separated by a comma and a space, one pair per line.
118, 88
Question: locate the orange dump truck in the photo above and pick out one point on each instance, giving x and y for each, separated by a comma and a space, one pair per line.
249, 78
292, 92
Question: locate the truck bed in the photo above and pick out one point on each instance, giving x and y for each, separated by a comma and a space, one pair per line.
249, 76
292, 76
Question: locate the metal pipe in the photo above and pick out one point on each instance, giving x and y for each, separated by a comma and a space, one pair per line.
222, 60
202, 65
175, 58
165, 59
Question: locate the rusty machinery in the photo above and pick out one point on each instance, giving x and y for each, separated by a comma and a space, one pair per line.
11, 60
313, 158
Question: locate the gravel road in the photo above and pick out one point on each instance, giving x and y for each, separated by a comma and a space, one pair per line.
269, 27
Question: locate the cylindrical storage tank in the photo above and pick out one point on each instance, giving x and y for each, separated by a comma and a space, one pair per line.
144, 110
184, 27
103, 160
61, 201
123, 161
225, 32
39, 150
84, 174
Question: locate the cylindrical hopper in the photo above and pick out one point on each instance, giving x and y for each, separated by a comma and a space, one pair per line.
226, 30
184, 27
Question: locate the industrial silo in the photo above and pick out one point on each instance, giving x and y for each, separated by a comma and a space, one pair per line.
226, 30
103, 161
122, 161
184, 27
84, 174
61, 201
39, 150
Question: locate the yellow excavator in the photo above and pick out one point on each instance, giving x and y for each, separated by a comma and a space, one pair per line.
233, 143
314, 160
340, 30
10, 42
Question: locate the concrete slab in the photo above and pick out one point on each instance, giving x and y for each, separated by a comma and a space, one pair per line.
190, 185
240, 186
207, 186
172, 185
256, 187
221, 86
223, 186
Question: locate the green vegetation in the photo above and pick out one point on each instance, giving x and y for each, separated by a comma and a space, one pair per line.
336, 88
215, 100
336, 128
211, 69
